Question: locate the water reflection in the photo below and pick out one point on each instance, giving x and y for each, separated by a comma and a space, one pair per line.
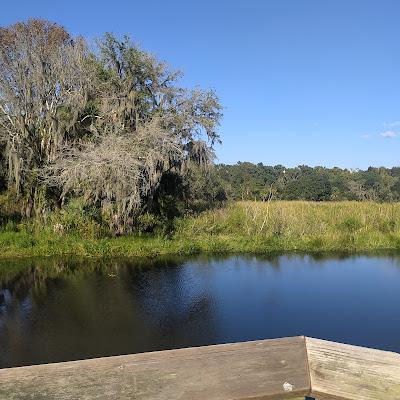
54, 310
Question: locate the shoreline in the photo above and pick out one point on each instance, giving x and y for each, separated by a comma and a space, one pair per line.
239, 227
153, 246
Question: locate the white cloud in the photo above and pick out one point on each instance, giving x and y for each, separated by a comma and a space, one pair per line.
365, 136
389, 134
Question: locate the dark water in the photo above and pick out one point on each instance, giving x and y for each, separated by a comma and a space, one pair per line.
55, 310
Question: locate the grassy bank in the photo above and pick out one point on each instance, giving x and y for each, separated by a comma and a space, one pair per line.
251, 227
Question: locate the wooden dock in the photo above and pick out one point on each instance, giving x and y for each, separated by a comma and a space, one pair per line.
286, 368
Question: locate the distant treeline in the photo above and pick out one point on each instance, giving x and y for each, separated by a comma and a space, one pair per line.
247, 181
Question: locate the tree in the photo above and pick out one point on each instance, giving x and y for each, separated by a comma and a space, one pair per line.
117, 171
105, 125
44, 86
144, 125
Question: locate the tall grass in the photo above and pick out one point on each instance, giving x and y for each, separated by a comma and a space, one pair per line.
254, 227
300, 225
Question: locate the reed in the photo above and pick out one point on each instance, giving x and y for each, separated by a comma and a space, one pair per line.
241, 227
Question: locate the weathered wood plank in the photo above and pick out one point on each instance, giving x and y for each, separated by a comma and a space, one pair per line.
268, 369
341, 372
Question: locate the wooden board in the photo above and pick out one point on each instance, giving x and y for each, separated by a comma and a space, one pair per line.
269, 369
341, 372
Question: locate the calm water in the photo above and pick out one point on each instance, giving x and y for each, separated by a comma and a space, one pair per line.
57, 310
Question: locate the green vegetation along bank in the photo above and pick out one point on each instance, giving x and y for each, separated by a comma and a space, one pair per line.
251, 227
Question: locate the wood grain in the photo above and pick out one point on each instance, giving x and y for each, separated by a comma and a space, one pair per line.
268, 369
345, 372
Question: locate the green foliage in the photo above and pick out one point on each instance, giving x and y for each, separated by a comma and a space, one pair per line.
310, 184
148, 223
247, 181
255, 227
203, 184
10, 210
351, 224
76, 218
17, 240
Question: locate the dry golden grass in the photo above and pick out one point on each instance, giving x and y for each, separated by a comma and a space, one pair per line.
303, 225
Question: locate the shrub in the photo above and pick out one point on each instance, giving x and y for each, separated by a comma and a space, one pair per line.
350, 225
10, 210
147, 223
76, 218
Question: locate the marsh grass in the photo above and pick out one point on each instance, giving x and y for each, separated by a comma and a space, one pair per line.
300, 225
241, 227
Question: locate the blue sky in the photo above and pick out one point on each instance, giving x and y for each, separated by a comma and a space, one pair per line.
302, 81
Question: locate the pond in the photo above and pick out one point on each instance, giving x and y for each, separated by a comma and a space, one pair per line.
57, 309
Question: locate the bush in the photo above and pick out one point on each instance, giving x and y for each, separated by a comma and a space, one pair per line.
148, 223
10, 210
351, 225
76, 218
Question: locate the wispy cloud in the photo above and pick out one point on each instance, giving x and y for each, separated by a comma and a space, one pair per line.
389, 134
392, 124
365, 136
